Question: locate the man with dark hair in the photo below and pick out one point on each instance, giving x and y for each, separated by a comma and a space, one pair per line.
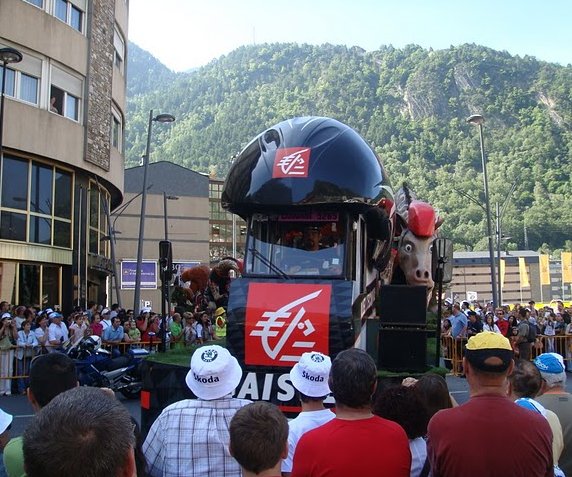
489, 416
310, 379
50, 375
83, 431
525, 383
259, 439
523, 338
356, 442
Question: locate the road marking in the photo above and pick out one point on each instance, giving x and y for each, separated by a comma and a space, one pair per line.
23, 416
458, 392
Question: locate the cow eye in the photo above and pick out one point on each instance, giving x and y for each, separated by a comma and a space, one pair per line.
408, 248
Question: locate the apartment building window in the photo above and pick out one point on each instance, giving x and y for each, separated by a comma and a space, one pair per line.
37, 3
65, 94
116, 129
21, 85
70, 12
119, 50
36, 203
98, 221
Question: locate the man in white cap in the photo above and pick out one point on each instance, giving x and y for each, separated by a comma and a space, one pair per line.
106, 320
555, 398
57, 331
191, 437
310, 379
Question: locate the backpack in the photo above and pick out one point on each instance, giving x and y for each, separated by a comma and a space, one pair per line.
531, 338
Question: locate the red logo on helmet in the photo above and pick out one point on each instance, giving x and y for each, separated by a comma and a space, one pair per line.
285, 320
291, 162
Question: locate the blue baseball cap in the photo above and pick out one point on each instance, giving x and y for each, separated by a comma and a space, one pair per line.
551, 363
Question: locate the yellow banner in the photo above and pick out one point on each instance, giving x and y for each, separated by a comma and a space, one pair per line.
566, 267
523, 273
502, 272
544, 270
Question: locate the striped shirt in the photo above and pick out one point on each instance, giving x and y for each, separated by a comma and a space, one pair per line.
190, 438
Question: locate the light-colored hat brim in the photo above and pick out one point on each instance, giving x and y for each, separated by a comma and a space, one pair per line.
306, 387
215, 391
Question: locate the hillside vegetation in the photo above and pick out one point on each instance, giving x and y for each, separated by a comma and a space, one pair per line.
410, 104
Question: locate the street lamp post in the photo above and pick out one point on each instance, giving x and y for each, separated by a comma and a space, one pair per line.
160, 118
499, 215
479, 120
7, 56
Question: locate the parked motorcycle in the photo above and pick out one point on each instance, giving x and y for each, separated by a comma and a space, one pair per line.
96, 367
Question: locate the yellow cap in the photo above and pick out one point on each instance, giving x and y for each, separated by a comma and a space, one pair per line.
488, 340
219, 311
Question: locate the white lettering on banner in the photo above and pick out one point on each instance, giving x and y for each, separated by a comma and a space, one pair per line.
272, 325
249, 389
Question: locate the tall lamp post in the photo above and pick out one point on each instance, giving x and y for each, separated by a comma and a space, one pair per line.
477, 119
160, 118
7, 56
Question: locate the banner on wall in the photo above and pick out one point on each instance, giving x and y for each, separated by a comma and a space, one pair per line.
544, 269
523, 272
566, 258
502, 272
148, 274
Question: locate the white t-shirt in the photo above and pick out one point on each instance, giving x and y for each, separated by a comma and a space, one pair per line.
418, 448
306, 421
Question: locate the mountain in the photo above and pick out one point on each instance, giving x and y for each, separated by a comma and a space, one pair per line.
410, 104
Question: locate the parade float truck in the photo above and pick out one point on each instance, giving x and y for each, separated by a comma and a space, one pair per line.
325, 237
320, 220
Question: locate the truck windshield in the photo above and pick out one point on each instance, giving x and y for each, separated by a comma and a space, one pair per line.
305, 244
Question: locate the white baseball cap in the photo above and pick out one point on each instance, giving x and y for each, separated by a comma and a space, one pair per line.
146, 309
6, 315
310, 375
214, 372
105, 311
5, 421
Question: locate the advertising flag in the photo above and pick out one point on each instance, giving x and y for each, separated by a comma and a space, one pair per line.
566, 267
524, 282
544, 270
502, 272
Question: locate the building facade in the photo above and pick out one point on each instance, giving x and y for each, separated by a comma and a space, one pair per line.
62, 164
471, 275
177, 207
227, 231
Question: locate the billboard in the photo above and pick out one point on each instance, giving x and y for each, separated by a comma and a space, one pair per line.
148, 274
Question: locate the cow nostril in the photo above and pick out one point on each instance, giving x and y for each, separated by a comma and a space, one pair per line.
426, 274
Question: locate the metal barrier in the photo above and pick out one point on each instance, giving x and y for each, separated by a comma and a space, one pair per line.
452, 350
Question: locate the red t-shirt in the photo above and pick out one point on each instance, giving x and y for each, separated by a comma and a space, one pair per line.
503, 326
367, 447
494, 422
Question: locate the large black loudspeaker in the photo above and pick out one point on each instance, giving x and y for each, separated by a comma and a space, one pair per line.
402, 342
403, 349
402, 305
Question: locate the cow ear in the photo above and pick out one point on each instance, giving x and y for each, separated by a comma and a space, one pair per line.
439, 222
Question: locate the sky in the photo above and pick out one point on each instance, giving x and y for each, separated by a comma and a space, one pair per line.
185, 34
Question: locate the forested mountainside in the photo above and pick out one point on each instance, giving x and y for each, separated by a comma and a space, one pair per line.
410, 104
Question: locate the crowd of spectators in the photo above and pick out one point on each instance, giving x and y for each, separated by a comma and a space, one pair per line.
28, 331
525, 326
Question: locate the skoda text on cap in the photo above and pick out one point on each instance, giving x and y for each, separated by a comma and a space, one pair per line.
214, 372
310, 375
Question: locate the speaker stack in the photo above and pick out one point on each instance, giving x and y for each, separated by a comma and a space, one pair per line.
403, 330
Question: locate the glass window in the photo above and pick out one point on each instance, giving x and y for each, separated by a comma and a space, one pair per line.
50, 285
310, 244
12, 226
61, 10
93, 208
15, 183
115, 132
40, 230
63, 196
72, 107
29, 284
28, 88
62, 234
41, 189
10, 81
93, 239
75, 18
38, 3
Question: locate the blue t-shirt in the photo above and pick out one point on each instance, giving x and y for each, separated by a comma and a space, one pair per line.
458, 323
